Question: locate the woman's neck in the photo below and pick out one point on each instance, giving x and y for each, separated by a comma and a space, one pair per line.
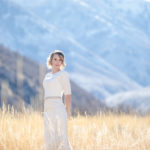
55, 70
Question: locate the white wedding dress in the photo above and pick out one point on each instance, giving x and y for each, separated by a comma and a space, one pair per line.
55, 115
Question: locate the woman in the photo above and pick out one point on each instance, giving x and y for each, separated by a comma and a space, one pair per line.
56, 83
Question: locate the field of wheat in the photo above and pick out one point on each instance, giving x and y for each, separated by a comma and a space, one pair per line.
24, 131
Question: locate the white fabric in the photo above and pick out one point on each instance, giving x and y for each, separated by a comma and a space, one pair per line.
56, 84
55, 115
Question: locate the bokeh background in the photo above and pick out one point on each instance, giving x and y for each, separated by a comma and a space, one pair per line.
106, 44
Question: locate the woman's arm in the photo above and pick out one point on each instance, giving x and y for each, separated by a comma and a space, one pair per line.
68, 104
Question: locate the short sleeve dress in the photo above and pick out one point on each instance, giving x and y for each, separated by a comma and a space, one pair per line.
55, 115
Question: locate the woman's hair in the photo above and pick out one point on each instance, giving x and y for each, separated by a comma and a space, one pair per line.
61, 56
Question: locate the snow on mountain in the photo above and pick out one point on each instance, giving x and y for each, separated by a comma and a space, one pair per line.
107, 43
137, 100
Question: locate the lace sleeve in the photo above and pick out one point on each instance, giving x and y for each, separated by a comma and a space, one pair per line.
65, 82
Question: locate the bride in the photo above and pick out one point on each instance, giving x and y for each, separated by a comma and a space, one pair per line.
55, 84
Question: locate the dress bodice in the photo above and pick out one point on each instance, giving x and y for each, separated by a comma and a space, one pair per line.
56, 84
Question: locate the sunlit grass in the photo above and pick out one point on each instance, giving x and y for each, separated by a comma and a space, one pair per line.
24, 131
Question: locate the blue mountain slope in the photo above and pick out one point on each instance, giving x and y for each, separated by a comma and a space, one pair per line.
116, 30
102, 43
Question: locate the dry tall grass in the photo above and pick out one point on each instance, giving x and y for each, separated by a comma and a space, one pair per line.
103, 132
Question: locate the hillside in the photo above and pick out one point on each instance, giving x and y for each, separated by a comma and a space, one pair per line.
21, 81
106, 43
102, 40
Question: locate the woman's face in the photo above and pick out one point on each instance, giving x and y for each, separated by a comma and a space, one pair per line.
56, 62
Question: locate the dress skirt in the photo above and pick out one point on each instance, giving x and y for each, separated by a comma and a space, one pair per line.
55, 125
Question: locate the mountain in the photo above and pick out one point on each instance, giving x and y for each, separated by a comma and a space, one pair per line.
107, 43
21, 84
134, 101
116, 31
31, 32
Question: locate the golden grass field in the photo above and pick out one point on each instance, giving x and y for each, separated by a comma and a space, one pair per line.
24, 131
